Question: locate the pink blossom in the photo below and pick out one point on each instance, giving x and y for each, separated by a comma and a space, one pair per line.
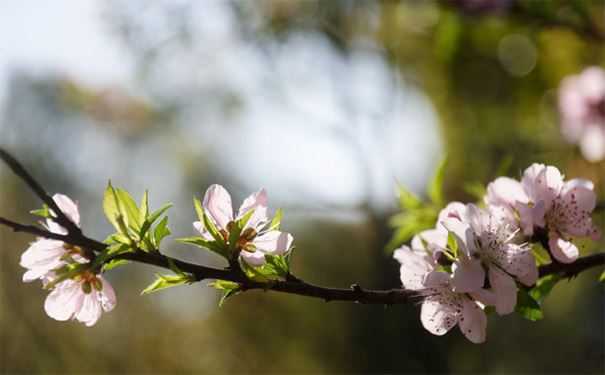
255, 240
442, 308
582, 108
45, 255
83, 298
544, 200
487, 242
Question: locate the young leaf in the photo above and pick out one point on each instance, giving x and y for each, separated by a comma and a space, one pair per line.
528, 307
148, 222
602, 277
452, 243
279, 263
161, 231
276, 222
110, 206
435, 188
198, 209
43, 212
128, 208
229, 288
144, 208
543, 287
114, 263
204, 244
168, 281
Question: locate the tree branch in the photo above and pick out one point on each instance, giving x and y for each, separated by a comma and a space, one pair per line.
18, 169
291, 285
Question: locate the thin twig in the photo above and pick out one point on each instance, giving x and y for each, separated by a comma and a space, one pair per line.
18, 169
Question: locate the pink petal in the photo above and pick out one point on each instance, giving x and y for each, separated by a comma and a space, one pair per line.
505, 191
415, 265
473, 322
255, 259
42, 251
468, 275
437, 280
64, 300
68, 207
217, 204
439, 313
455, 210
563, 251
203, 232
463, 234
485, 296
90, 311
542, 183
274, 242
107, 295
531, 217
519, 261
505, 289
258, 203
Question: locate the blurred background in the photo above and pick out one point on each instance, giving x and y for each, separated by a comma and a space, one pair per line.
327, 104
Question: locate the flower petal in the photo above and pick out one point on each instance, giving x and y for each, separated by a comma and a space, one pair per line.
505, 191
415, 265
542, 183
107, 295
473, 322
563, 251
518, 261
439, 313
90, 311
203, 231
274, 242
217, 203
258, 203
68, 207
505, 290
256, 258
468, 275
64, 300
592, 143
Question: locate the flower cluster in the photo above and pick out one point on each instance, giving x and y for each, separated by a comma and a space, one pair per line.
476, 257
76, 291
582, 108
256, 238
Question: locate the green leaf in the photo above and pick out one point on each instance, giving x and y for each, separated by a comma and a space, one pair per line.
43, 212
144, 208
229, 288
204, 244
276, 222
152, 218
211, 228
128, 208
543, 287
452, 243
161, 231
110, 206
528, 307
435, 188
168, 281
279, 264
198, 209
602, 277
540, 254
114, 263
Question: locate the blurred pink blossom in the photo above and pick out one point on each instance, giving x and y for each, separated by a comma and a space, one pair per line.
582, 108
255, 240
